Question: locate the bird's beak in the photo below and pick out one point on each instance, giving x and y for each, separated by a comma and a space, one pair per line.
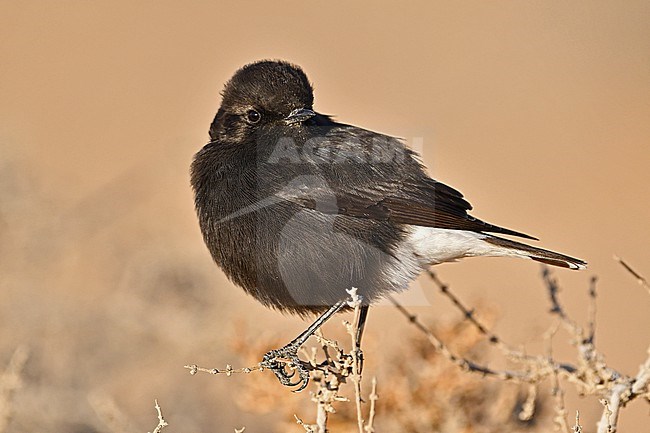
299, 115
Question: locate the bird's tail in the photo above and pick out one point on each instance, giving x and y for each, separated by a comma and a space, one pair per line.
512, 248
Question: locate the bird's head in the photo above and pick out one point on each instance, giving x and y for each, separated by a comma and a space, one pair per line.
262, 94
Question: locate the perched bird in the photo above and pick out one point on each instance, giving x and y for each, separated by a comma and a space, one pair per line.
296, 208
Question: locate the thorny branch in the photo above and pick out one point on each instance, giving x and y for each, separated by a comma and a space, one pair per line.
228, 371
509, 352
161, 421
356, 368
577, 428
639, 278
463, 363
591, 374
369, 428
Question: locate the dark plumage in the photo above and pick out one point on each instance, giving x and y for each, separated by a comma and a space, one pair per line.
298, 208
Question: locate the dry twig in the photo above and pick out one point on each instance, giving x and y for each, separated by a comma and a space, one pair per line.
639, 278
463, 363
308, 427
161, 421
577, 428
356, 370
373, 397
228, 371
592, 375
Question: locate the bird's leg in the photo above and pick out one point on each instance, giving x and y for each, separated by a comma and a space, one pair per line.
290, 352
363, 316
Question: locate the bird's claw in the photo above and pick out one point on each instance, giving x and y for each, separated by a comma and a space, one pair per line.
286, 370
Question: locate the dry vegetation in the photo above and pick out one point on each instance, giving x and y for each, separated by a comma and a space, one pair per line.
89, 339
439, 382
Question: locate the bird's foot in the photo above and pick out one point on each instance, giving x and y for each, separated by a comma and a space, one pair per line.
284, 363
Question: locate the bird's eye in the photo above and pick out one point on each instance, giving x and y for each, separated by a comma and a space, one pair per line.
253, 116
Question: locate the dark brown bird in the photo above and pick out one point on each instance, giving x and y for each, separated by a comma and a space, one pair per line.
297, 208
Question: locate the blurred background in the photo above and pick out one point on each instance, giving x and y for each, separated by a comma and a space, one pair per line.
537, 111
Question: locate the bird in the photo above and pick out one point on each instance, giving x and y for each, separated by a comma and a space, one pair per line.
297, 208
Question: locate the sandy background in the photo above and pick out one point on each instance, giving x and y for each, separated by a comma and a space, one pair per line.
537, 111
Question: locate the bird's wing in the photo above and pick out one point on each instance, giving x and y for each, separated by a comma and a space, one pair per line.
397, 191
402, 210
